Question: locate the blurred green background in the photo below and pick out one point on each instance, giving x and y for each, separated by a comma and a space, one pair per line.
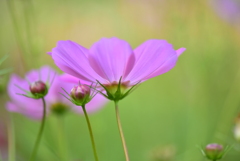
195, 103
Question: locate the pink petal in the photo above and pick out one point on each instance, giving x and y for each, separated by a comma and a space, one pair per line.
153, 57
54, 91
12, 107
72, 59
73, 80
13, 90
109, 57
33, 111
168, 65
45, 73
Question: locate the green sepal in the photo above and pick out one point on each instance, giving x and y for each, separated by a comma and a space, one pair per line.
118, 95
109, 95
29, 94
128, 92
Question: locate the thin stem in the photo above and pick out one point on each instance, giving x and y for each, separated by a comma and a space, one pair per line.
35, 149
91, 133
11, 140
121, 132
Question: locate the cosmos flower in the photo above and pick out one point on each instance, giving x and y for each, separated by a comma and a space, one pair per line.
56, 103
112, 61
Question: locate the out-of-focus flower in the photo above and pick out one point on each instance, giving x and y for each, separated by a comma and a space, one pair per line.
163, 153
113, 64
214, 151
237, 128
229, 10
56, 103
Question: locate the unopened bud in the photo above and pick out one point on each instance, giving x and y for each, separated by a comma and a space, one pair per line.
214, 151
165, 153
38, 88
81, 94
59, 108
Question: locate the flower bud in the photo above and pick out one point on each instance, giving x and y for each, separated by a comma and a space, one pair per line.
214, 151
38, 88
59, 108
81, 94
163, 153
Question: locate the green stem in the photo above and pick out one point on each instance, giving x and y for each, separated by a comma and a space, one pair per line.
91, 133
11, 140
35, 149
121, 132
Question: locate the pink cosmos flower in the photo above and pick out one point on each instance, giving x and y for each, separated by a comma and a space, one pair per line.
110, 59
54, 100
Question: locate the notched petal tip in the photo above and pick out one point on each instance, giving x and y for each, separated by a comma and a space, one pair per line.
180, 51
